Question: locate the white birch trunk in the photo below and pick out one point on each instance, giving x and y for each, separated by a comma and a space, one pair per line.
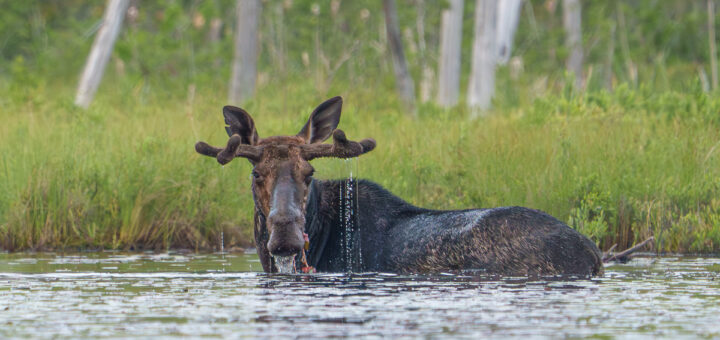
610, 59
403, 80
711, 38
244, 66
508, 17
482, 74
100, 52
450, 43
572, 21
427, 78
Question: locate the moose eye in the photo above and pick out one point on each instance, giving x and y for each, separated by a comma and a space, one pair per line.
308, 177
256, 175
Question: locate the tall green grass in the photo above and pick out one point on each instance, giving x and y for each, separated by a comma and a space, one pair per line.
124, 175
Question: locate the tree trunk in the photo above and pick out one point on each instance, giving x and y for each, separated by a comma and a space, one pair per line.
100, 52
403, 80
244, 66
215, 30
508, 17
450, 43
625, 46
711, 38
428, 75
572, 21
482, 74
610, 59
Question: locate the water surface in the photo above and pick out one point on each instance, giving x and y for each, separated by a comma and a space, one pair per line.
224, 296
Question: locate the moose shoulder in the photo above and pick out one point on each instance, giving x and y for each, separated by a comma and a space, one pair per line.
294, 212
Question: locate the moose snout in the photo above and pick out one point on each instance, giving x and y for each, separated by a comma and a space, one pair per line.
286, 236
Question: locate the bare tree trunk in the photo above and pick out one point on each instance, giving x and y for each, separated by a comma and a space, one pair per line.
426, 79
276, 35
713, 49
625, 46
403, 80
100, 52
508, 17
215, 30
572, 21
244, 66
482, 74
450, 43
610, 59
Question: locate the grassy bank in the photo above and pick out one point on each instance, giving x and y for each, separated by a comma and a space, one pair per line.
123, 175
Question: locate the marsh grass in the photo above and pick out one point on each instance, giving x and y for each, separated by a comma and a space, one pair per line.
123, 175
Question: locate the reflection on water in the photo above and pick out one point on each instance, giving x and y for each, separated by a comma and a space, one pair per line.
173, 295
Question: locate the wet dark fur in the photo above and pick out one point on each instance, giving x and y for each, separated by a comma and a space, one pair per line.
399, 237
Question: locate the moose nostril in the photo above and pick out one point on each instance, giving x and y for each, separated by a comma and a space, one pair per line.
284, 243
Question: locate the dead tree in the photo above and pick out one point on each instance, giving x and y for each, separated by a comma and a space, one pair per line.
711, 38
572, 21
100, 52
244, 65
632, 70
450, 43
403, 80
484, 56
428, 75
508, 17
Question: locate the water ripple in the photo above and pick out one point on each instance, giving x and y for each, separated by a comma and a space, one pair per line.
52, 296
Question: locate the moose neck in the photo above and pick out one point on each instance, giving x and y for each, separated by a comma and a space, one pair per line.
331, 224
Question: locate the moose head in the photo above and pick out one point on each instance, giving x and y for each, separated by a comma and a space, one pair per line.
282, 172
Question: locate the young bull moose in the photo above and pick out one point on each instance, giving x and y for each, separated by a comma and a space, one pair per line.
292, 209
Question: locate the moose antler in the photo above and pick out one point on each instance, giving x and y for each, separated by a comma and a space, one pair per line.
340, 148
234, 148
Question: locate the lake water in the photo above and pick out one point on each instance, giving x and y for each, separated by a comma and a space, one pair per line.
224, 296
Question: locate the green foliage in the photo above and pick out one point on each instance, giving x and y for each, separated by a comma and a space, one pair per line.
593, 209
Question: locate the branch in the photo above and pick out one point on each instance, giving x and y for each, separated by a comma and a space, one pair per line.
625, 253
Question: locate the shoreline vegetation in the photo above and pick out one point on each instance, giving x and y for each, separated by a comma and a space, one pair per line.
619, 167
629, 150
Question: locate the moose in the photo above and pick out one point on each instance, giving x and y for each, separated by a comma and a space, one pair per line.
296, 216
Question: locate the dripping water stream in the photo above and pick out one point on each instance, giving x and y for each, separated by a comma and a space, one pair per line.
352, 248
285, 264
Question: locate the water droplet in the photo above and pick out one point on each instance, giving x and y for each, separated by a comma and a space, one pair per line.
222, 248
352, 250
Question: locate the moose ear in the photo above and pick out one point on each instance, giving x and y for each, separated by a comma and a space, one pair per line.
239, 122
322, 122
